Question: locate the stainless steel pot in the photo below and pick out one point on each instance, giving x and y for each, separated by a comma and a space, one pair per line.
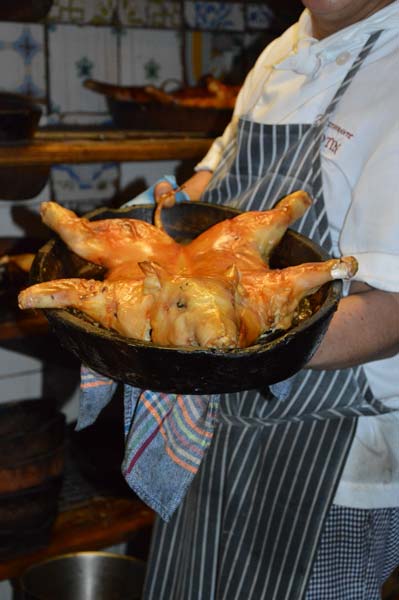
84, 576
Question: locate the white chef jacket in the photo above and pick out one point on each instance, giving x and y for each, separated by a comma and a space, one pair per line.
293, 81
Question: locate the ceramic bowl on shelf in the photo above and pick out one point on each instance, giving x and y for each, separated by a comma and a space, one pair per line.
19, 119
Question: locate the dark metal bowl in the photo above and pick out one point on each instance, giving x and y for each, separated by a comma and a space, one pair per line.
153, 116
85, 576
19, 120
19, 117
186, 370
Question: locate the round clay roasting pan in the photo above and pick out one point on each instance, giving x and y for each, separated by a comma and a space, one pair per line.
186, 370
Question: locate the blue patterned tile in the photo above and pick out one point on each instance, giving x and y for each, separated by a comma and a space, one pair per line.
92, 183
22, 59
214, 15
258, 16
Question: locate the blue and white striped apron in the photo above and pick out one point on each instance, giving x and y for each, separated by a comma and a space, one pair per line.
251, 522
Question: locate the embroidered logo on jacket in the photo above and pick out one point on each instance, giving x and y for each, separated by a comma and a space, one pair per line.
334, 137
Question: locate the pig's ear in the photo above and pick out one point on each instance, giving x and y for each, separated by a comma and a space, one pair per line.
232, 275
155, 276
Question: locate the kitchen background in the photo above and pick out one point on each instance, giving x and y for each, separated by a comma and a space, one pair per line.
125, 42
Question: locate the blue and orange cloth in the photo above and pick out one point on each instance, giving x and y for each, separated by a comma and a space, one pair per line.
166, 437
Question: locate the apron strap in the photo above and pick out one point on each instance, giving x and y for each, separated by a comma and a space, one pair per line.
369, 45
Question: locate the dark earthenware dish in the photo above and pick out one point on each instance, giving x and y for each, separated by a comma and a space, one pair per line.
132, 107
25, 11
186, 370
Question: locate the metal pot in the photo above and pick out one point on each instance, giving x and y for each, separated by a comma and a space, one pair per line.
85, 576
186, 370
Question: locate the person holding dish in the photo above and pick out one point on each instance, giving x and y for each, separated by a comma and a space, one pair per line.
298, 496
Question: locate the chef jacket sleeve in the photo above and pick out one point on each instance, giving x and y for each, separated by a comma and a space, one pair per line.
371, 228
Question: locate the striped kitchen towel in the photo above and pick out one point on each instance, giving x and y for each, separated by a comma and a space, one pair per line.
166, 437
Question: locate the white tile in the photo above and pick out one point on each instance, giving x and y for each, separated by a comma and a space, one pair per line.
150, 56
76, 54
22, 59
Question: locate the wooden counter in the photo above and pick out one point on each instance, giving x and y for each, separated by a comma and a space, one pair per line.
56, 147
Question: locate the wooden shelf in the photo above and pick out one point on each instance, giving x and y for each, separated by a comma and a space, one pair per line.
56, 147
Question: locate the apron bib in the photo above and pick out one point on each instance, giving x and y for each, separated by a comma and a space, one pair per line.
250, 524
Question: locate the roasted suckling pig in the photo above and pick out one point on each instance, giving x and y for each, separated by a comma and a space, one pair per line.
209, 93
217, 291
